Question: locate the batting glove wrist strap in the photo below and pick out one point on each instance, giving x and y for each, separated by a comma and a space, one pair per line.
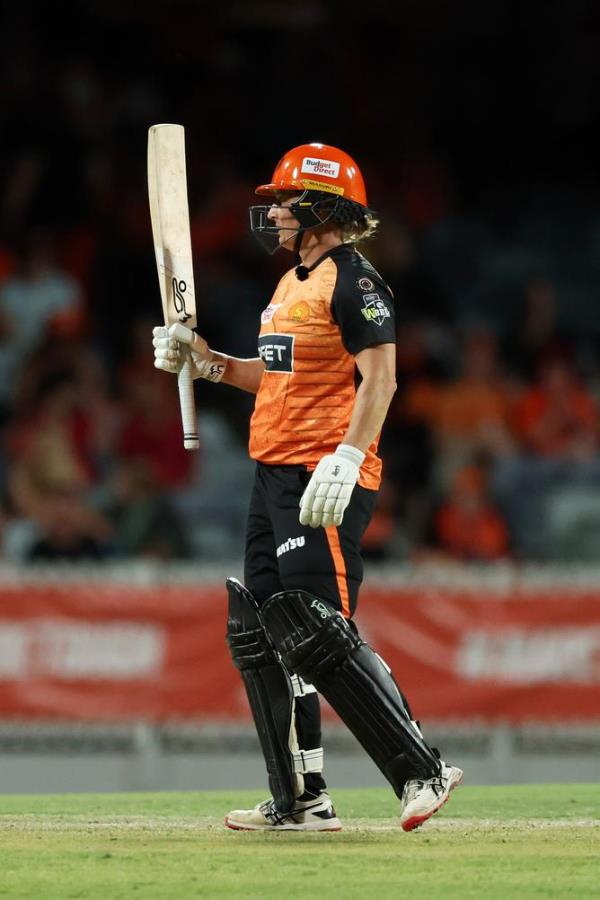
352, 454
210, 369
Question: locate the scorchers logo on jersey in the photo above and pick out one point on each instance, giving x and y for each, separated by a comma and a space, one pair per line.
277, 351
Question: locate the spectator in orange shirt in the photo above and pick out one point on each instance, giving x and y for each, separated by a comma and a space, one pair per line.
473, 412
558, 417
478, 396
468, 525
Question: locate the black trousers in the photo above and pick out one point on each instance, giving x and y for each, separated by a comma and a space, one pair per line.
281, 554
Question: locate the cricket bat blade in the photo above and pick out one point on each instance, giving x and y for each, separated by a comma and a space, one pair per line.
169, 214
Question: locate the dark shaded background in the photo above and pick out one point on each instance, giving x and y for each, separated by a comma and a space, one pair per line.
476, 127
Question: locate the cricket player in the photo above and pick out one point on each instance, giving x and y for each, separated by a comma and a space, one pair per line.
314, 435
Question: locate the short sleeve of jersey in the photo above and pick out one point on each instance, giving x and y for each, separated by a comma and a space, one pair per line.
362, 305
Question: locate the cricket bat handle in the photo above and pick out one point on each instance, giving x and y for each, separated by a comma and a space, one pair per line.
187, 402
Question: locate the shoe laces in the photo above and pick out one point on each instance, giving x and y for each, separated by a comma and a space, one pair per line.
270, 812
416, 785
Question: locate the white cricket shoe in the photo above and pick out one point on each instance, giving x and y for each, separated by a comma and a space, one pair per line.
421, 799
315, 814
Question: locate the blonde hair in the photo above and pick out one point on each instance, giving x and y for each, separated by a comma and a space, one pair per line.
354, 221
354, 232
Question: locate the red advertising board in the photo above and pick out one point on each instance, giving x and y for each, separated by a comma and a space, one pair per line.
115, 651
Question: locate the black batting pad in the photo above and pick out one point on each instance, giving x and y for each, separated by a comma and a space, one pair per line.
269, 689
318, 644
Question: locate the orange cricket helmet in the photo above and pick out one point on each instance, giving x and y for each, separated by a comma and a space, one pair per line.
330, 188
317, 167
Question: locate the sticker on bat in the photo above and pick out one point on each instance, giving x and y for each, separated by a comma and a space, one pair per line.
179, 289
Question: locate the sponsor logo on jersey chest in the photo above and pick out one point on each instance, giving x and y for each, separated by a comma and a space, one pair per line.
374, 309
299, 312
277, 352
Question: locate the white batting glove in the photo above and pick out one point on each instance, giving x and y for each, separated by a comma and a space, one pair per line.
168, 356
328, 492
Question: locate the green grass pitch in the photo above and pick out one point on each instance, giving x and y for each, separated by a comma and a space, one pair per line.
488, 842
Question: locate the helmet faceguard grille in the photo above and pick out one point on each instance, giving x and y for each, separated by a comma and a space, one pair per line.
311, 209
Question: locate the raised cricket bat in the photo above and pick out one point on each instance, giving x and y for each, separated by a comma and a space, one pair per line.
167, 193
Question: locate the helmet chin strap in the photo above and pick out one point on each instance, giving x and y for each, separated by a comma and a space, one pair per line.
301, 270
297, 246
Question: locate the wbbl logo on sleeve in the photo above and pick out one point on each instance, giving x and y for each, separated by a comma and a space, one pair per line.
374, 309
277, 351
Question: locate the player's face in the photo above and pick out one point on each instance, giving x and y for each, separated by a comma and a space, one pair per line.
281, 216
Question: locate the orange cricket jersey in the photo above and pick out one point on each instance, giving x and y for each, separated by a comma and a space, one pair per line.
309, 335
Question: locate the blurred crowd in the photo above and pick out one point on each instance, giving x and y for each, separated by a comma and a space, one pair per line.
492, 444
